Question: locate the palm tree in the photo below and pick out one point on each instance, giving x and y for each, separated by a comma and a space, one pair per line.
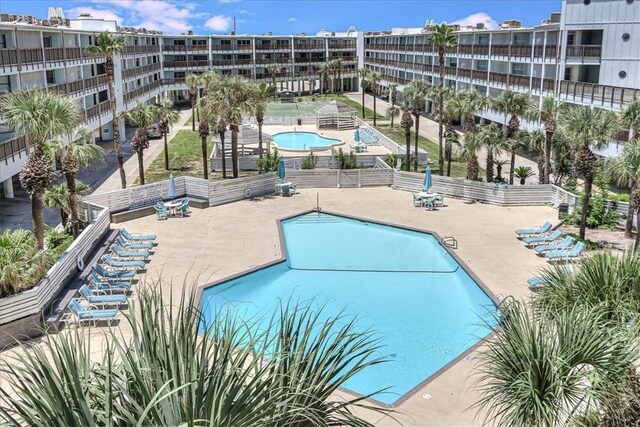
523, 172
491, 139
234, 101
323, 72
374, 78
416, 94
259, 94
167, 117
40, 116
548, 114
630, 119
221, 128
392, 112
273, 70
442, 38
499, 165
585, 127
108, 45
336, 67
141, 117
57, 197
469, 152
515, 105
193, 83
406, 122
535, 141
393, 93
75, 154
625, 169
451, 113
552, 369
364, 84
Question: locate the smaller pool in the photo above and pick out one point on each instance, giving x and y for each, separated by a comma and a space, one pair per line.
301, 141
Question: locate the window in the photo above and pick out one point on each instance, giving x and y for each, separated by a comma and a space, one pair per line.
46, 41
567, 73
626, 37
3, 41
622, 74
586, 2
51, 78
571, 39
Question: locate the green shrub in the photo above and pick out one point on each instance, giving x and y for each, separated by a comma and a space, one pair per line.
310, 161
619, 197
269, 162
346, 161
602, 213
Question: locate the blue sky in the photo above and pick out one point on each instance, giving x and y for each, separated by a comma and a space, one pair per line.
290, 17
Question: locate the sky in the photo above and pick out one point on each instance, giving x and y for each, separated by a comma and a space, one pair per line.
290, 17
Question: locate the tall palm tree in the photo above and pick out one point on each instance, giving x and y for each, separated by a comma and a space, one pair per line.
323, 71
234, 100
258, 96
625, 169
442, 38
374, 78
108, 45
41, 117
364, 85
630, 119
392, 112
548, 114
416, 94
535, 141
273, 69
451, 114
57, 197
584, 128
76, 153
336, 67
167, 117
206, 117
393, 93
141, 117
514, 105
469, 152
221, 128
491, 139
406, 122
193, 83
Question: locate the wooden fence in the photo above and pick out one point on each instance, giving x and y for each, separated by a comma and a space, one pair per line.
233, 190
35, 300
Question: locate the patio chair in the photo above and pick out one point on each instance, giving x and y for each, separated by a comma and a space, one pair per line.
534, 231
293, 187
564, 243
547, 238
439, 202
161, 212
98, 284
417, 200
183, 209
430, 203
121, 253
136, 237
574, 252
84, 314
122, 264
112, 274
101, 298
286, 190
132, 246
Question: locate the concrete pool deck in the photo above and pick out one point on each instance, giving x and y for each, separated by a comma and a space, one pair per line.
221, 241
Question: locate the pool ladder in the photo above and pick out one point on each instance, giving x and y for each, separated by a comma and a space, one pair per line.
449, 242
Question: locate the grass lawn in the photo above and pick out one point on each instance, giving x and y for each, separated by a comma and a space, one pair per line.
188, 122
345, 100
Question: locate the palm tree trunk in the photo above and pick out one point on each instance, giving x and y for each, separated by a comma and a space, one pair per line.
513, 165
392, 121
140, 166
440, 109
37, 212
234, 150
374, 109
260, 138
64, 217
472, 168
489, 166
547, 156
224, 156
636, 244
193, 114
628, 226
166, 152
73, 203
407, 140
588, 184
205, 166
448, 156
415, 144
116, 130
363, 91
541, 168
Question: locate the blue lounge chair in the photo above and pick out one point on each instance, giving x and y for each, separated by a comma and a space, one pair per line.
84, 314
136, 237
132, 246
543, 239
121, 253
100, 285
535, 281
534, 231
122, 264
571, 253
111, 274
101, 298
565, 243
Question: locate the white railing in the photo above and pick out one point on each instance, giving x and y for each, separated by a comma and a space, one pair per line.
33, 301
560, 195
392, 146
380, 164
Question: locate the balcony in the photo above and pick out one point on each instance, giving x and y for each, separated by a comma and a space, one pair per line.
263, 47
8, 57
149, 68
54, 54
450, 71
98, 110
548, 85
12, 147
584, 51
134, 94
133, 50
174, 48
591, 93
343, 46
186, 64
77, 86
465, 49
171, 82
232, 62
286, 47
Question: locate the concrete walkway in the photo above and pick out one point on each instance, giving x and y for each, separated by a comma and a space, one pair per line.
429, 130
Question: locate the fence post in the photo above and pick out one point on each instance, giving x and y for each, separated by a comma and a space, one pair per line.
359, 178
338, 178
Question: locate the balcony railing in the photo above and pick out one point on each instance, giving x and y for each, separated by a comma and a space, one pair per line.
186, 64
98, 109
132, 50
8, 57
54, 54
333, 46
584, 51
131, 96
178, 81
174, 48
592, 93
12, 147
149, 68
71, 88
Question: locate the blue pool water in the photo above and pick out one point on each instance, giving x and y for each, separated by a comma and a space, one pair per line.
303, 140
400, 283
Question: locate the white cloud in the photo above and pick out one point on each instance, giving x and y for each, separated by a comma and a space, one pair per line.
229, 1
292, 19
245, 12
218, 23
480, 17
75, 12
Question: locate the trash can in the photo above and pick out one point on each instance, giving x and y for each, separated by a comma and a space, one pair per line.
563, 208
299, 121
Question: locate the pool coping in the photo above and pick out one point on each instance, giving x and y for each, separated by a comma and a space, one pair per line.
283, 257
310, 149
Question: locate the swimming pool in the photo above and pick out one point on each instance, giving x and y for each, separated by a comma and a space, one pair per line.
401, 283
300, 141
